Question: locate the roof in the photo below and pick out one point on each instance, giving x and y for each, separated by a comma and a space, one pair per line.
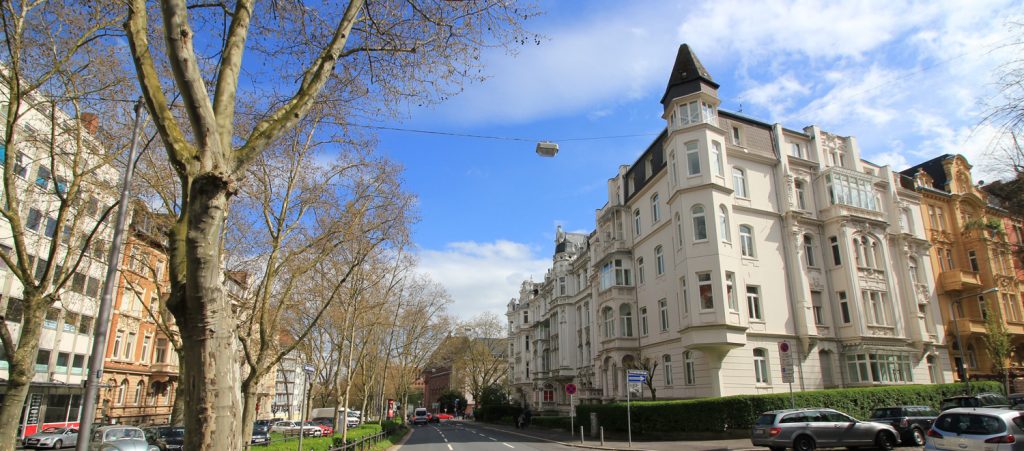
934, 169
686, 71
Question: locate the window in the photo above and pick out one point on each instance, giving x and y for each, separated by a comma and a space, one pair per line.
686, 296
700, 229
118, 339
614, 273
34, 220
706, 290
63, 359
796, 150
844, 189
972, 256
692, 159
941, 218
679, 229
694, 113
655, 209
835, 250
761, 366
85, 325
672, 168
913, 271
138, 393
844, 307
609, 322
636, 222
643, 321
877, 367
20, 168
875, 308
809, 250
145, 348
50, 320
736, 135
122, 391
754, 303
77, 364
801, 194
689, 368
730, 292
723, 224
626, 318
819, 317
160, 353
666, 362
933, 218
659, 260
43, 177
949, 259
640, 270
983, 307
526, 316
747, 241
51, 228
561, 286
972, 357
663, 314
70, 322
129, 346
716, 159
525, 339
739, 182
42, 360
15, 311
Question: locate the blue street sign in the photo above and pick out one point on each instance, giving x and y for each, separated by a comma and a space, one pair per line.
636, 377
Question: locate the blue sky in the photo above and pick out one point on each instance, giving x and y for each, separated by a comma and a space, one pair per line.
908, 79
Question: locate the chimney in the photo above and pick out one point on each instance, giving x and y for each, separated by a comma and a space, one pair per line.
91, 122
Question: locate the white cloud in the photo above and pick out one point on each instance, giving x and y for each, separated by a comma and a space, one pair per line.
482, 276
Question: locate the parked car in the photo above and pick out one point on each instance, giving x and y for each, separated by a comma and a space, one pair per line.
352, 419
1016, 401
324, 421
260, 434
976, 429
420, 416
166, 437
52, 438
808, 429
912, 422
119, 438
994, 400
285, 428
325, 430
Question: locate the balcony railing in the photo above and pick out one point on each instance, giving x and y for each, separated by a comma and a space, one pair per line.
959, 280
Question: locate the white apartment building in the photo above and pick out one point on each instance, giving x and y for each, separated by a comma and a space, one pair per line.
54, 397
727, 236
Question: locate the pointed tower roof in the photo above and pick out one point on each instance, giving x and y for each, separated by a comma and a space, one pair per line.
687, 74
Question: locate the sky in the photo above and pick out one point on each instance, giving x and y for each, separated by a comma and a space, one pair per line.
910, 80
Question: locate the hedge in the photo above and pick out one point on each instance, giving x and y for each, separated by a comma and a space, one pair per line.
496, 413
357, 433
739, 412
551, 422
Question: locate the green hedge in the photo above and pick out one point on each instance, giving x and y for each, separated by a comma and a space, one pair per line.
496, 413
739, 412
551, 422
357, 433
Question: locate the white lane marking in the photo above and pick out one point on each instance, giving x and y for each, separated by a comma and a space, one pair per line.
506, 444
449, 447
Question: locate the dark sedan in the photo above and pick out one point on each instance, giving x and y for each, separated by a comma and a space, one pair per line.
912, 422
167, 438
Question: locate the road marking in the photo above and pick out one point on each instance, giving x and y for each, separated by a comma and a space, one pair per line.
449, 447
506, 444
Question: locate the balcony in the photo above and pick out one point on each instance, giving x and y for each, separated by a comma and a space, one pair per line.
609, 246
164, 369
958, 280
968, 326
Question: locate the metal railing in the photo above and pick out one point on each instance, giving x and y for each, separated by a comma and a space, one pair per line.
367, 442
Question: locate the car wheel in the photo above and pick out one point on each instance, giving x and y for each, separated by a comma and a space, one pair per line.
917, 436
58, 444
803, 443
885, 440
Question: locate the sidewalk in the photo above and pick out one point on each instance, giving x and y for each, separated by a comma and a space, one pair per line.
619, 443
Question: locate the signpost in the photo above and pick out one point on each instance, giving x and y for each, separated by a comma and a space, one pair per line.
786, 360
570, 389
632, 377
308, 369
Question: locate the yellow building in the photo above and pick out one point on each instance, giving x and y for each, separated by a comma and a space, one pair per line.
972, 257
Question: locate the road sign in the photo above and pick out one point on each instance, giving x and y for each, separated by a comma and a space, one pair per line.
636, 376
308, 368
570, 389
786, 360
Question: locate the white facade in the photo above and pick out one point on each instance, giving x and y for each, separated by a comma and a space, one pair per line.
290, 388
716, 245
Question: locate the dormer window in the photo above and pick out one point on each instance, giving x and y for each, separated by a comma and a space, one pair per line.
796, 150
695, 112
736, 135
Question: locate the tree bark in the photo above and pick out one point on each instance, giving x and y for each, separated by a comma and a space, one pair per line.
21, 369
180, 397
250, 388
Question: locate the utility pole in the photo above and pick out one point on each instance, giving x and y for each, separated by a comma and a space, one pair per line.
99, 340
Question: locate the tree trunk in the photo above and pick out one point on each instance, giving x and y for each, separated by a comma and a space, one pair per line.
180, 396
20, 371
348, 372
207, 322
250, 387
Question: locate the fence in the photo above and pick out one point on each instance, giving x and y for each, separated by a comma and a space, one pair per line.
367, 442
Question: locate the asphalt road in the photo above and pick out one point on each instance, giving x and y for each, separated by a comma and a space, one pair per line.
457, 436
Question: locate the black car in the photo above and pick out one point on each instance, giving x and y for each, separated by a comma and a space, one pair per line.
912, 422
260, 434
994, 400
166, 437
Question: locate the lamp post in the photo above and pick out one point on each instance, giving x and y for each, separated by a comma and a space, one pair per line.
308, 369
956, 334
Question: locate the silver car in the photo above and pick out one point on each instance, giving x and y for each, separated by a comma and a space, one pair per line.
976, 429
808, 429
120, 438
52, 438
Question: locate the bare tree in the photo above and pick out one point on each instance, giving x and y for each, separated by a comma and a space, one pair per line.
370, 55
477, 354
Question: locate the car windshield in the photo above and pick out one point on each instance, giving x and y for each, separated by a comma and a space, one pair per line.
972, 424
886, 413
54, 430
123, 433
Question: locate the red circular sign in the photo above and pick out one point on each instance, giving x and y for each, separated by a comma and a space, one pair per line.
784, 346
570, 389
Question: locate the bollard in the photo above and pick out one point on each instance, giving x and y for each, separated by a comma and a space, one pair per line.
602, 435
581, 435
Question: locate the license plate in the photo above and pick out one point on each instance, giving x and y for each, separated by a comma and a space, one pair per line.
758, 431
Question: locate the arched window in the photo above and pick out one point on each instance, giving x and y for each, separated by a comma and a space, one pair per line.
139, 387
739, 182
700, 228
666, 362
809, 249
689, 368
655, 209
609, 322
723, 223
659, 260
747, 241
640, 270
761, 366
122, 391
626, 317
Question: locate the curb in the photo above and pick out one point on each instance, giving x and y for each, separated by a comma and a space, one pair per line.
396, 446
574, 445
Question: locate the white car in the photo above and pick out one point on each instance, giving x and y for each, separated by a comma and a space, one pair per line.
289, 428
120, 438
52, 438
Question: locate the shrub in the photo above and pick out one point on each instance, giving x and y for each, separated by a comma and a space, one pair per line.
739, 412
551, 422
357, 433
496, 413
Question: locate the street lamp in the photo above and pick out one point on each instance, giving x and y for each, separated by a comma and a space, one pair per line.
956, 334
547, 148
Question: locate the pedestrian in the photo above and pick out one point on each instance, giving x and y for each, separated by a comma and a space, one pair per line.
526, 417
519, 421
